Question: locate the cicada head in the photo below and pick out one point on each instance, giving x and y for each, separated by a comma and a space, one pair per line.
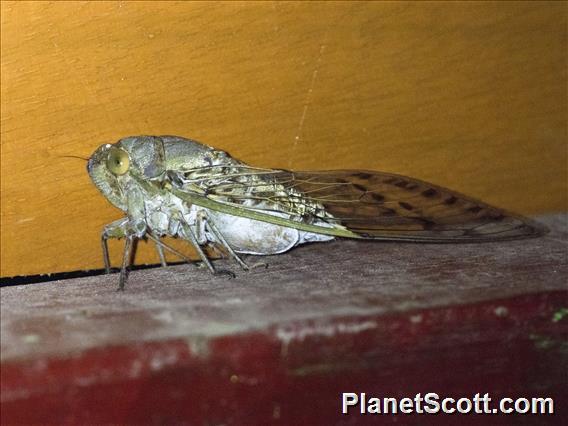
112, 166
109, 180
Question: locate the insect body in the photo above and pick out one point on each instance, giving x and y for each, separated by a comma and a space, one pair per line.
171, 186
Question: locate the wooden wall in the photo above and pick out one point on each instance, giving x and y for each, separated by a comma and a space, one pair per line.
467, 95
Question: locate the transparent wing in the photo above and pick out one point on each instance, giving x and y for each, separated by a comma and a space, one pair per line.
370, 204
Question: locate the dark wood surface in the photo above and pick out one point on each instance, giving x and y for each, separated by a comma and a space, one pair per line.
321, 319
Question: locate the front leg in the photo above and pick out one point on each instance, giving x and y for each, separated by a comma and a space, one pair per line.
116, 229
122, 228
126, 261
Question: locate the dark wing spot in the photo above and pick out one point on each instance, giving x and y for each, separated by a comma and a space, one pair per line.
492, 218
450, 201
377, 197
360, 187
430, 193
391, 180
363, 175
342, 181
475, 209
405, 205
427, 224
388, 212
411, 186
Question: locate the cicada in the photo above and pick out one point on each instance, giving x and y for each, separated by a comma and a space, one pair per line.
172, 186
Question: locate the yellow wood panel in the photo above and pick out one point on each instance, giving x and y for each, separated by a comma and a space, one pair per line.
467, 95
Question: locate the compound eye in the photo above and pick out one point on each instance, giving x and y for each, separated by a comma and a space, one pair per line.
117, 161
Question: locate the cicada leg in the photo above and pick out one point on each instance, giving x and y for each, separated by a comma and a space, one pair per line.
160, 251
116, 229
160, 245
126, 261
120, 229
106, 258
223, 242
191, 236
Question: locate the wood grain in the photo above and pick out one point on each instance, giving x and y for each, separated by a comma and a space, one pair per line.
468, 95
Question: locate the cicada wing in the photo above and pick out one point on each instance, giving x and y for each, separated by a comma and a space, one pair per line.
388, 206
354, 203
